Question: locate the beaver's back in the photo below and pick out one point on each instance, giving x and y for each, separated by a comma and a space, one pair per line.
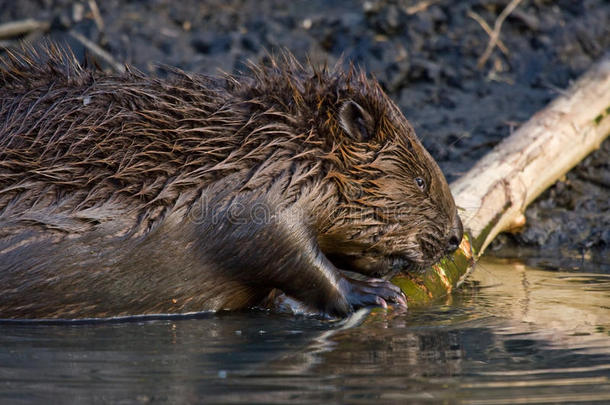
78, 138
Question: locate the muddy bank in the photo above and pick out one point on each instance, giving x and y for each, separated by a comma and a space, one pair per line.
424, 53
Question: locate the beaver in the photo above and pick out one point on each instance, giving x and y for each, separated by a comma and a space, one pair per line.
125, 194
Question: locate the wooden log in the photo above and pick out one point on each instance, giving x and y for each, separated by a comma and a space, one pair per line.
496, 191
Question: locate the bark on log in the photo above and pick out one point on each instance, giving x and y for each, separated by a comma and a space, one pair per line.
496, 191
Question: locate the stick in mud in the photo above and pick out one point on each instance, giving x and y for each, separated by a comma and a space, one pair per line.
17, 28
495, 35
98, 51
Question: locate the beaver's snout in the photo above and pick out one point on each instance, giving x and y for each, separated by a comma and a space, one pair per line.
455, 237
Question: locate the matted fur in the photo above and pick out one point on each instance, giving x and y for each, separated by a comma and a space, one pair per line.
82, 151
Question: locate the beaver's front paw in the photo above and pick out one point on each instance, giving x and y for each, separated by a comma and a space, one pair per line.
372, 292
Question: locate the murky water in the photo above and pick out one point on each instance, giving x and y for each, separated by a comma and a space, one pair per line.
512, 335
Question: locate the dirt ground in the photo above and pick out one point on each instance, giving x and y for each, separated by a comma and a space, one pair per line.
425, 57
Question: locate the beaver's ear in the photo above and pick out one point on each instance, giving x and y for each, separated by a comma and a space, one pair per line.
356, 122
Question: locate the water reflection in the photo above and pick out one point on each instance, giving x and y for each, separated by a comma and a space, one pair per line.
512, 334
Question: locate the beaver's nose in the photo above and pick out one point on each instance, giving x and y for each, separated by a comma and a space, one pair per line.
455, 237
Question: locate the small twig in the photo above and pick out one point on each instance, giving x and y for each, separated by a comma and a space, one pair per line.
15, 43
16, 28
421, 6
487, 29
98, 51
97, 17
495, 35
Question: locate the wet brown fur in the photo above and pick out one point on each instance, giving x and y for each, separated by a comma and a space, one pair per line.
126, 194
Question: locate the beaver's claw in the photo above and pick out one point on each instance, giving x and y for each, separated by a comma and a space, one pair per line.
373, 292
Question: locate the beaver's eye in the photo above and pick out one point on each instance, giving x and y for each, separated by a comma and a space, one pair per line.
421, 183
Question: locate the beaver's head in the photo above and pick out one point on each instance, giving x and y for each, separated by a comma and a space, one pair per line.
378, 200
395, 210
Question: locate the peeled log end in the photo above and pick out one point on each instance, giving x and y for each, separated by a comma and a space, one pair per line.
440, 279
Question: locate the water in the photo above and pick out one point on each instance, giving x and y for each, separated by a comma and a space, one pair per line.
511, 335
